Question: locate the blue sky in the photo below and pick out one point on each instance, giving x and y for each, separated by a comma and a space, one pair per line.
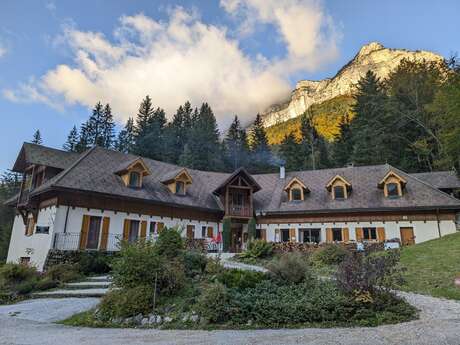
57, 58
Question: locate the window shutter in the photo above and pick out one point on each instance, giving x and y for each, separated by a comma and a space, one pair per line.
345, 235
359, 234
160, 227
105, 233
84, 232
381, 234
143, 230
292, 235
329, 235
30, 226
126, 226
210, 232
190, 232
263, 235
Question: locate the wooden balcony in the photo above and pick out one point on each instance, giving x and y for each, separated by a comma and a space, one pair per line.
240, 211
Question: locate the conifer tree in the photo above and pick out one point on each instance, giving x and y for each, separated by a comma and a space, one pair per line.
95, 126
290, 152
261, 156
236, 145
177, 132
126, 137
203, 150
72, 140
367, 127
342, 146
144, 116
37, 138
108, 127
84, 138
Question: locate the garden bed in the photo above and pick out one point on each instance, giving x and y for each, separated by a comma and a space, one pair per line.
163, 285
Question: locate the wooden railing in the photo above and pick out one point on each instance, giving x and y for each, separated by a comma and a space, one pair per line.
241, 211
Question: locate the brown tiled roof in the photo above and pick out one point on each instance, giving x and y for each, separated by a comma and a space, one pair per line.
440, 179
95, 171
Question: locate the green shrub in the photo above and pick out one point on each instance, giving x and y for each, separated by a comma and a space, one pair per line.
46, 283
136, 265
213, 304
126, 303
63, 273
12, 275
94, 263
140, 264
214, 267
331, 254
240, 279
170, 242
290, 268
257, 249
195, 262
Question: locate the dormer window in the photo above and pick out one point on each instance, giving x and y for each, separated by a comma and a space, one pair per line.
339, 192
339, 188
178, 181
392, 190
392, 185
134, 179
133, 173
296, 190
180, 187
296, 194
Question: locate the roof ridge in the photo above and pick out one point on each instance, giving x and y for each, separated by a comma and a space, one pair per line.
426, 184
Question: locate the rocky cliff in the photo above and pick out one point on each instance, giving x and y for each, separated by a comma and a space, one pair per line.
372, 56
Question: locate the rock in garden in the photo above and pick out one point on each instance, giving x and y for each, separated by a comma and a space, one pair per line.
168, 319
145, 321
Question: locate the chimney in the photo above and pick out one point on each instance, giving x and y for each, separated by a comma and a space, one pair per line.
282, 172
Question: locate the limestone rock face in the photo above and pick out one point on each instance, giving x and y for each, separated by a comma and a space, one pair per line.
372, 56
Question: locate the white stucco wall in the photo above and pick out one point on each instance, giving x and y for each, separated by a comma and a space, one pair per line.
75, 218
35, 246
423, 231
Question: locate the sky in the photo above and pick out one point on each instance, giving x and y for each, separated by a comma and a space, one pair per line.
59, 58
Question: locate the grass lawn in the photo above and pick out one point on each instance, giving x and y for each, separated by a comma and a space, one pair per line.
432, 267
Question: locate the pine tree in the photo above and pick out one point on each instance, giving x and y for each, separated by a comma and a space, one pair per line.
108, 127
126, 137
95, 126
261, 155
177, 132
342, 146
289, 151
368, 125
236, 145
72, 140
144, 116
203, 150
84, 138
37, 138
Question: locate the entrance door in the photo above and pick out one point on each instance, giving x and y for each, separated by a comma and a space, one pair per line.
407, 236
93, 233
236, 239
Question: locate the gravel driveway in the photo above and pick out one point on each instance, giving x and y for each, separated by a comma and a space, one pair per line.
439, 324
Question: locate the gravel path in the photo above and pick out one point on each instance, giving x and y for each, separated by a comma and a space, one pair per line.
439, 324
47, 309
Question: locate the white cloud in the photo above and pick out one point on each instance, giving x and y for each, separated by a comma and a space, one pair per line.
3, 50
184, 58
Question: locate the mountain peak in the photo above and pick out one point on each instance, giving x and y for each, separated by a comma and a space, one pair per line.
372, 56
369, 48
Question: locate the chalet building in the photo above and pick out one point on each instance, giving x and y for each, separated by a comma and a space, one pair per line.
91, 201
